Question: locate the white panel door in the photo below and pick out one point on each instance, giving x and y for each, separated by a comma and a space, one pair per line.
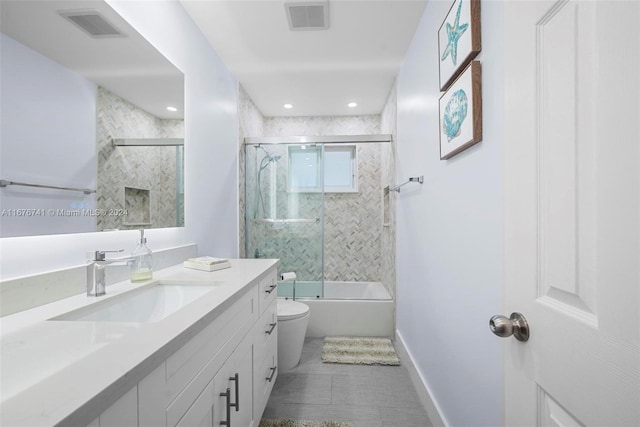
572, 214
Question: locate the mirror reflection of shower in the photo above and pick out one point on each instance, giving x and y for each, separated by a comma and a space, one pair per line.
260, 210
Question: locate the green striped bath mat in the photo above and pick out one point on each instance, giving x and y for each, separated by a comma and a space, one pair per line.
359, 351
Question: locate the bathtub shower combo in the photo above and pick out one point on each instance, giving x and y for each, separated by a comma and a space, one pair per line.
319, 205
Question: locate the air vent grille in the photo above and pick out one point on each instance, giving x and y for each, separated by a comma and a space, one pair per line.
92, 22
307, 15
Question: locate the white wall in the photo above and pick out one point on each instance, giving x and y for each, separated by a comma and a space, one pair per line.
46, 135
449, 232
211, 187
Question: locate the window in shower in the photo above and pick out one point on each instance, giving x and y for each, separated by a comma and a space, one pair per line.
340, 169
304, 169
339, 174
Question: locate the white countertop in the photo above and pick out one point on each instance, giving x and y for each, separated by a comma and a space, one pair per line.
67, 372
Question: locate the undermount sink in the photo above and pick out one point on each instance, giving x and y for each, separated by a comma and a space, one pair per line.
145, 305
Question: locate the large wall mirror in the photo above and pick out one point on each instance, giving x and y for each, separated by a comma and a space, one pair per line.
92, 125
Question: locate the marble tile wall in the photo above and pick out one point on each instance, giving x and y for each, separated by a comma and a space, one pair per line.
324, 125
144, 168
353, 223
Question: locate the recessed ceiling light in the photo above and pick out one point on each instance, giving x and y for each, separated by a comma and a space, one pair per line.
288, 106
173, 109
352, 104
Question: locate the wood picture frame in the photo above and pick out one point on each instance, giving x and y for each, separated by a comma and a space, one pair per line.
460, 112
458, 40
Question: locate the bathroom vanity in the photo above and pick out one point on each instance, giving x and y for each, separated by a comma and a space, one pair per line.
201, 355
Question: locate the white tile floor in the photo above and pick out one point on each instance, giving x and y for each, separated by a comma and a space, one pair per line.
367, 396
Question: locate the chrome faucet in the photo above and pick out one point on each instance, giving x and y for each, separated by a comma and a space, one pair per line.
97, 274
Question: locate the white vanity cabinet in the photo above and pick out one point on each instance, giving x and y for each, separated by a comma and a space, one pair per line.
148, 403
174, 371
215, 378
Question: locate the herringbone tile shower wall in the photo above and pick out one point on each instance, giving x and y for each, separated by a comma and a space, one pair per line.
151, 169
353, 224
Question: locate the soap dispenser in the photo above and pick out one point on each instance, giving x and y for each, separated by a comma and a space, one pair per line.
142, 265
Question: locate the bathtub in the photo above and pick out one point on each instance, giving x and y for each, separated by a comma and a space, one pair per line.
344, 308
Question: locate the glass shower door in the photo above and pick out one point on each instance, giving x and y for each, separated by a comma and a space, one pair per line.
284, 212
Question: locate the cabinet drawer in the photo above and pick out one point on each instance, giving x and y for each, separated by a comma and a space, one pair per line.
266, 329
268, 289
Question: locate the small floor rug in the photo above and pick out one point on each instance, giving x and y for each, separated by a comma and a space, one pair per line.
359, 351
301, 423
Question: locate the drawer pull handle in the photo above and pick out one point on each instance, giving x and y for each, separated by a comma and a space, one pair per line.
227, 394
273, 326
273, 373
271, 288
236, 379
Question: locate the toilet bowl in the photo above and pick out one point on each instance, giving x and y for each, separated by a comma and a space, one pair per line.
293, 318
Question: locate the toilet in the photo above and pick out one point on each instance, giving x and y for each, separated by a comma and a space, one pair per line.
293, 318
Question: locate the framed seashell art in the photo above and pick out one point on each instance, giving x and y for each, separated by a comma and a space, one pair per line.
461, 113
458, 40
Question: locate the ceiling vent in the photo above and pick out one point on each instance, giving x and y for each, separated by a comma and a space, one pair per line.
92, 22
307, 15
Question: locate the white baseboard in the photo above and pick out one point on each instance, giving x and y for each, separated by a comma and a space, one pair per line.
433, 412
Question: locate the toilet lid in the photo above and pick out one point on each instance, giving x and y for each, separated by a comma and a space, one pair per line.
288, 310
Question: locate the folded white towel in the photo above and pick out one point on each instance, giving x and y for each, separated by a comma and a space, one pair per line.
208, 260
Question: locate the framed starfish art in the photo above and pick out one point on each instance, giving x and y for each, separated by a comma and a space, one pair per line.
458, 40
